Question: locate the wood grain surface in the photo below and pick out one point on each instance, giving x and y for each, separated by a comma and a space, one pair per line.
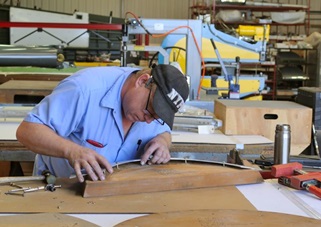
68, 199
220, 218
44, 219
175, 175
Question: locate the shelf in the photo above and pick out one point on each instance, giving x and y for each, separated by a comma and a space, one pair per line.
251, 15
287, 92
264, 8
292, 71
258, 8
256, 23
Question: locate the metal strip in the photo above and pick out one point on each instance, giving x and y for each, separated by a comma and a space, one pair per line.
117, 164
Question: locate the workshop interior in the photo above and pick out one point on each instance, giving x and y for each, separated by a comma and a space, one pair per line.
245, 144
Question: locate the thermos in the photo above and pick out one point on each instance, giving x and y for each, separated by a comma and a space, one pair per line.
282, 144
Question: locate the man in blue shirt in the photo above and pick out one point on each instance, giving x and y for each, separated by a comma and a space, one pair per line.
104, 115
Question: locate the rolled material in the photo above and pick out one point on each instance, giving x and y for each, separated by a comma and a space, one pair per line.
28, 56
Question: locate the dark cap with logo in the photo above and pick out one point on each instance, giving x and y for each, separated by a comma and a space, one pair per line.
171, 92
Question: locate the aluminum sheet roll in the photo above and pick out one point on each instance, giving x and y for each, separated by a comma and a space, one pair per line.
28, 56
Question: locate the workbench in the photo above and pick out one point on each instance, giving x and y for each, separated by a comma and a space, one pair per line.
12, 150
213, 147
35, 73
185, 144
34, 88
268, 196
7, 76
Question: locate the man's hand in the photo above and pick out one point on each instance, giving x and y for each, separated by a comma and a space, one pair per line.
91, 161
157, 150
43, 140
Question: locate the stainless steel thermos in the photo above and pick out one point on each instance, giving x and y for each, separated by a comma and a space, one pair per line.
282, 144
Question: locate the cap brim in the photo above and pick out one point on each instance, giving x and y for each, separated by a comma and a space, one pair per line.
163, 109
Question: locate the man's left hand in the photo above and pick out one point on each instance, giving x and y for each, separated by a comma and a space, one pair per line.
156, 151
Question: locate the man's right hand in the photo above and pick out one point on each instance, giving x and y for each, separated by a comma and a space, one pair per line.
93, 163
43, 140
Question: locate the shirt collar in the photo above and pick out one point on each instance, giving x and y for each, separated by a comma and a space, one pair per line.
112, 98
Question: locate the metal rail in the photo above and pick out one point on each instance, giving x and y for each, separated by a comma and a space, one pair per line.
191, 160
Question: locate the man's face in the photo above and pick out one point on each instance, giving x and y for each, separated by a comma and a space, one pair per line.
149, 110
137, 104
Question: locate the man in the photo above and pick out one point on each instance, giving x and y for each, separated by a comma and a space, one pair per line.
104, 115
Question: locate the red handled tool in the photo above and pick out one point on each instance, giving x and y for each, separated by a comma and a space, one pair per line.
292, 175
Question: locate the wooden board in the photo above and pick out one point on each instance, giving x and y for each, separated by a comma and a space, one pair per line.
29, 84
213, 218
44, 219
4, 168
175, 175
4, 77
241, 117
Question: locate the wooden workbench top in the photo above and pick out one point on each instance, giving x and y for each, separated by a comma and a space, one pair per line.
29, 85
68, 199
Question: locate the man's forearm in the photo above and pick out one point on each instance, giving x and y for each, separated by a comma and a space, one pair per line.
42, 140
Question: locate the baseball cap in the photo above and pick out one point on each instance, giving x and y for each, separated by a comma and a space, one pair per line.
171, 92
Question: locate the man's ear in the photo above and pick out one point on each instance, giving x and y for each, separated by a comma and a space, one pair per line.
144, 80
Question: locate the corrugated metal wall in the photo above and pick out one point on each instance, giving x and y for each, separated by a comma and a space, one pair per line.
173, 9
100, 7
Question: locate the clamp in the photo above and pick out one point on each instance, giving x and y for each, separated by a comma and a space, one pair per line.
293, 176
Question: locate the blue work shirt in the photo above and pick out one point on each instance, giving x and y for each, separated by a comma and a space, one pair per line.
87, 106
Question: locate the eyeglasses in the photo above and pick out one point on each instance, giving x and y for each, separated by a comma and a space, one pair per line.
146, 111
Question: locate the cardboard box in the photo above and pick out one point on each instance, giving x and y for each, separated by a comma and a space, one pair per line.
242, 117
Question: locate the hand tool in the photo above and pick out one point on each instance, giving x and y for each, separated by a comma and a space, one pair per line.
292, 175
52, 187
17, 191
22, 190
48, 187
46, 176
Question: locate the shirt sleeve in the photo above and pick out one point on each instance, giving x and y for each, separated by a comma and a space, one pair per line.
62, 110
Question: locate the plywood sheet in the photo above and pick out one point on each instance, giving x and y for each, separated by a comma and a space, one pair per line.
213, 218
218, 138
241, 117
68, 199
134, 178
